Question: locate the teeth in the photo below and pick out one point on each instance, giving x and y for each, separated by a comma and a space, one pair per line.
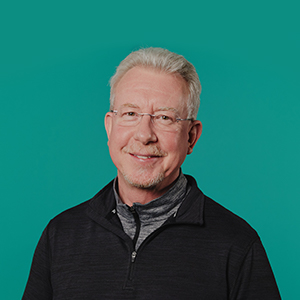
143, 157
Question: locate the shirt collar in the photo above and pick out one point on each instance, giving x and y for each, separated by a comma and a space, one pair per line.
159, 207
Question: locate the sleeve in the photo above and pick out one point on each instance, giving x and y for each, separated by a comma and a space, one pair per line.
255, 279
39, 283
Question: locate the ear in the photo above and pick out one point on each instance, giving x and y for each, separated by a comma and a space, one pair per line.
108, 124
194, 135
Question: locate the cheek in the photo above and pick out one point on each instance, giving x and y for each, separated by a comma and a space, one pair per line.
119, 138
176, 146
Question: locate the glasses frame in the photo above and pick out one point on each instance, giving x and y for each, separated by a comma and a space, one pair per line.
115, 111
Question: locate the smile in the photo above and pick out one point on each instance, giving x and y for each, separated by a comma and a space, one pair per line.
144, 156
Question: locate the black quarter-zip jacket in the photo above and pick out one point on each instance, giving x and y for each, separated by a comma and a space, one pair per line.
202, 252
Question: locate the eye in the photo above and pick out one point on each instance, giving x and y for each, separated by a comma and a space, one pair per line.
127, 114
130, 114
165, 118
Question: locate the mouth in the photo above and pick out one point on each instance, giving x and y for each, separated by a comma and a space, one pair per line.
150, 154
144, 156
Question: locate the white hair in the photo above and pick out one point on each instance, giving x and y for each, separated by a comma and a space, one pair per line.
166, 61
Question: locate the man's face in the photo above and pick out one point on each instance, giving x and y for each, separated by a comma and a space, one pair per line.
147, 157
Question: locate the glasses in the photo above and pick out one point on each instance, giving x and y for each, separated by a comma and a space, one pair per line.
164, 120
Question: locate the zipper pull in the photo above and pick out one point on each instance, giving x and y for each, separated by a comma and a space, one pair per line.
133, 256
132, 209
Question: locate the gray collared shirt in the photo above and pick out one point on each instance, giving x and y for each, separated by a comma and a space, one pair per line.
153, 214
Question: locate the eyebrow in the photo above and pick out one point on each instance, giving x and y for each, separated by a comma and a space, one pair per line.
168, 109
159, 109
130, 105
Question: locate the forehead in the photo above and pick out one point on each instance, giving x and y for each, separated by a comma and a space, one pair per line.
149, 87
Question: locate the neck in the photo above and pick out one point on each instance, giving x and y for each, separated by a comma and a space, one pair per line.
130, 194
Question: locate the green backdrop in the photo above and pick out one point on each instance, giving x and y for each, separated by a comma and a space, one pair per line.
56, 58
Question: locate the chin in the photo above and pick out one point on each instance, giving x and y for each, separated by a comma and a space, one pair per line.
144, 181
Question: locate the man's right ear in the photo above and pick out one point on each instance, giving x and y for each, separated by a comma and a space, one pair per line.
108, 124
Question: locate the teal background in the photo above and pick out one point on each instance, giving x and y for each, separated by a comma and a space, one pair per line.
56, 58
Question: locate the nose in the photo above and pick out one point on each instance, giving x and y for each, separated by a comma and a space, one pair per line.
144, 131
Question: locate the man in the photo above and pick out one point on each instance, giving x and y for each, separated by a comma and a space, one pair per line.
151, 233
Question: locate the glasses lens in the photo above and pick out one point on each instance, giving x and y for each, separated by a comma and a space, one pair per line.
128, 116
163, 120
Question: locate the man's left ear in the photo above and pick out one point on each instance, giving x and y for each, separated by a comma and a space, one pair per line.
194, 135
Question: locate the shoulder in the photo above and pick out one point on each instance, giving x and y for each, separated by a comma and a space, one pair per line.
220, 223
225, 224
72, 214
78, 216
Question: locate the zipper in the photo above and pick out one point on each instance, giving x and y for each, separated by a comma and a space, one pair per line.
137, 223
133, 256
135, 238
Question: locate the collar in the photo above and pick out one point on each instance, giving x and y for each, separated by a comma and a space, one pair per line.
103, 205
157, 209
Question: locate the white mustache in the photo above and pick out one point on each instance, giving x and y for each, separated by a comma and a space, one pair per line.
148, 151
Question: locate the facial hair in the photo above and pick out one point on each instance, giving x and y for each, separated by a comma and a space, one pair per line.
140, 181
149, 183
